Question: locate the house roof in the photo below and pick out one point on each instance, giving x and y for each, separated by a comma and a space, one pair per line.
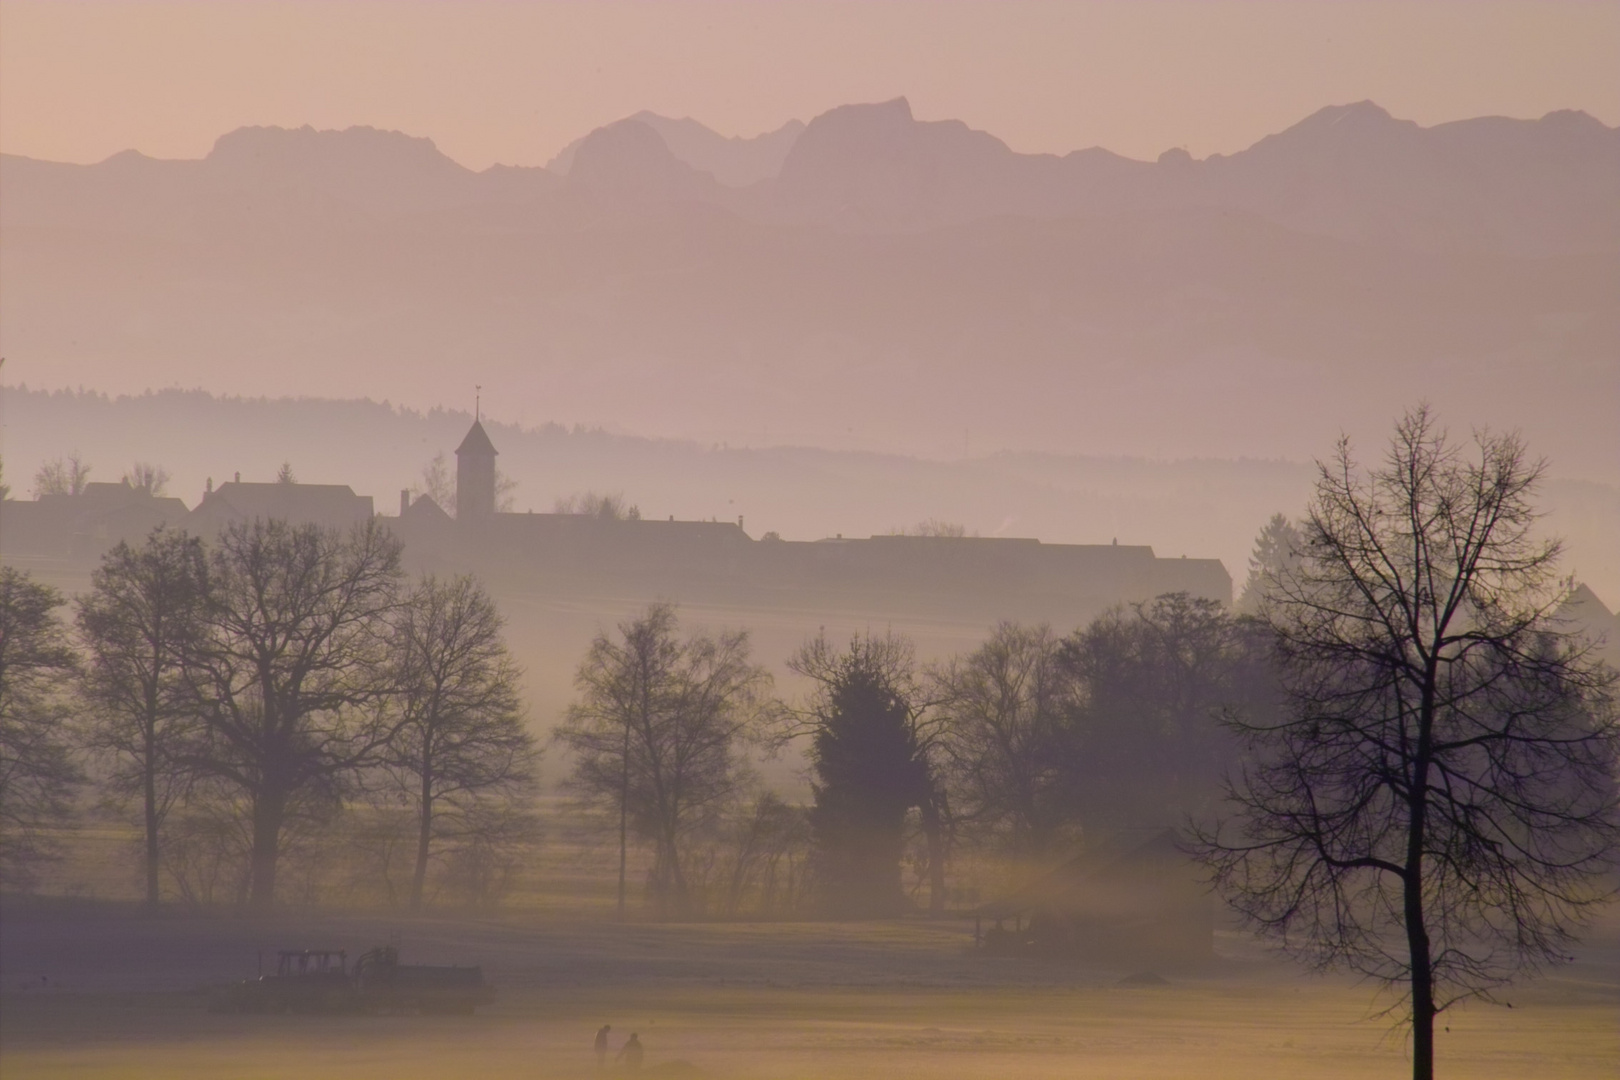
477, 442
322, 504
425, 508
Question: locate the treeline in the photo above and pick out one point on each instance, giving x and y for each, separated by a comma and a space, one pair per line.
239, 697
1016, 751
284, 715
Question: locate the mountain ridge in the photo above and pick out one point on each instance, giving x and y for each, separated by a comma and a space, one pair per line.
1528, 187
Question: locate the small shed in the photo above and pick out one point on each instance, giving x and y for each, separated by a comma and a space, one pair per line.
1134, 898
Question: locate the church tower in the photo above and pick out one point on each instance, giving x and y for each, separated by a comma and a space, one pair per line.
475, 476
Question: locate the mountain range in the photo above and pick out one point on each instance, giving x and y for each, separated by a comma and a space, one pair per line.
1520, 187
865, 280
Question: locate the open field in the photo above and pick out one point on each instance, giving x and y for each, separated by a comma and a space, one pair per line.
95, 991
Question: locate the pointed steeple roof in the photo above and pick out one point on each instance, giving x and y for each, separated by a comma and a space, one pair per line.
477, 442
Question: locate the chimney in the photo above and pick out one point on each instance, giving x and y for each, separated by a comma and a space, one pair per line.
739, 522
404, 500
238, 478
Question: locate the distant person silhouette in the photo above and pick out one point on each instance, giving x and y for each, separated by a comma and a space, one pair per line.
631, 1054
602, 1045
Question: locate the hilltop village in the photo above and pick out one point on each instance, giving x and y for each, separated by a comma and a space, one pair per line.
975, 579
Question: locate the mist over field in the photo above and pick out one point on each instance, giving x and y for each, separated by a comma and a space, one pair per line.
728, 540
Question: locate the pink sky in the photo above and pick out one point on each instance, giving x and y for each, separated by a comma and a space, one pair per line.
512, 82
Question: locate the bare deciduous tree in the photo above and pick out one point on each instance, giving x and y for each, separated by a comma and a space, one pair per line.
37, 771
656, 736
459, 746
1004, 713
144, 476
505, 497
60, 477
293, 668
611, 507
437, 483
768, 845
141, 622
485, 853
934, 527
1438, 803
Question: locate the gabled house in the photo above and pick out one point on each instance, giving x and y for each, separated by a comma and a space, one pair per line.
85, 525
333, 506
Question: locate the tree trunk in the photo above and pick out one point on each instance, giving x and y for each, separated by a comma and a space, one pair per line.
424, 834
739, 875
678, 897
1417, 933
934, 833
151, 817
624, 816
269, 808
1417, 938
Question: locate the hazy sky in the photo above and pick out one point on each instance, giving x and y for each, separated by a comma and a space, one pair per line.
512, 82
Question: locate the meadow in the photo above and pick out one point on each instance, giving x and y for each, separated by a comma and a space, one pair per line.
99, 990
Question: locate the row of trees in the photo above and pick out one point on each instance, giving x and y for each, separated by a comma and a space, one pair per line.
267, 680
1016, 748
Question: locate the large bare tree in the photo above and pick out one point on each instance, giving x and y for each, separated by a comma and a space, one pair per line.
37, 770
293, 670
141, 622
459, 751
657, 736
1005, 710
1436, 807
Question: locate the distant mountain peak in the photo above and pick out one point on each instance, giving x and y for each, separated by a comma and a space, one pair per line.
895, 108
1337, 129
310, 145
1357, 110
1335, 120
877, 160
1576, 119
619, 144
629, 159
876, 117
733, 160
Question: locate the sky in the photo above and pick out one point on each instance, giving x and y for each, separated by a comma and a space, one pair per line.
512, 82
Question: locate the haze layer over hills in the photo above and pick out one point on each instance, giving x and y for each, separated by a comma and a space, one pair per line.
1201, 508
893, 284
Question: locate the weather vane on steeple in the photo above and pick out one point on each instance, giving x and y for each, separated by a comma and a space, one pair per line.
478, 402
